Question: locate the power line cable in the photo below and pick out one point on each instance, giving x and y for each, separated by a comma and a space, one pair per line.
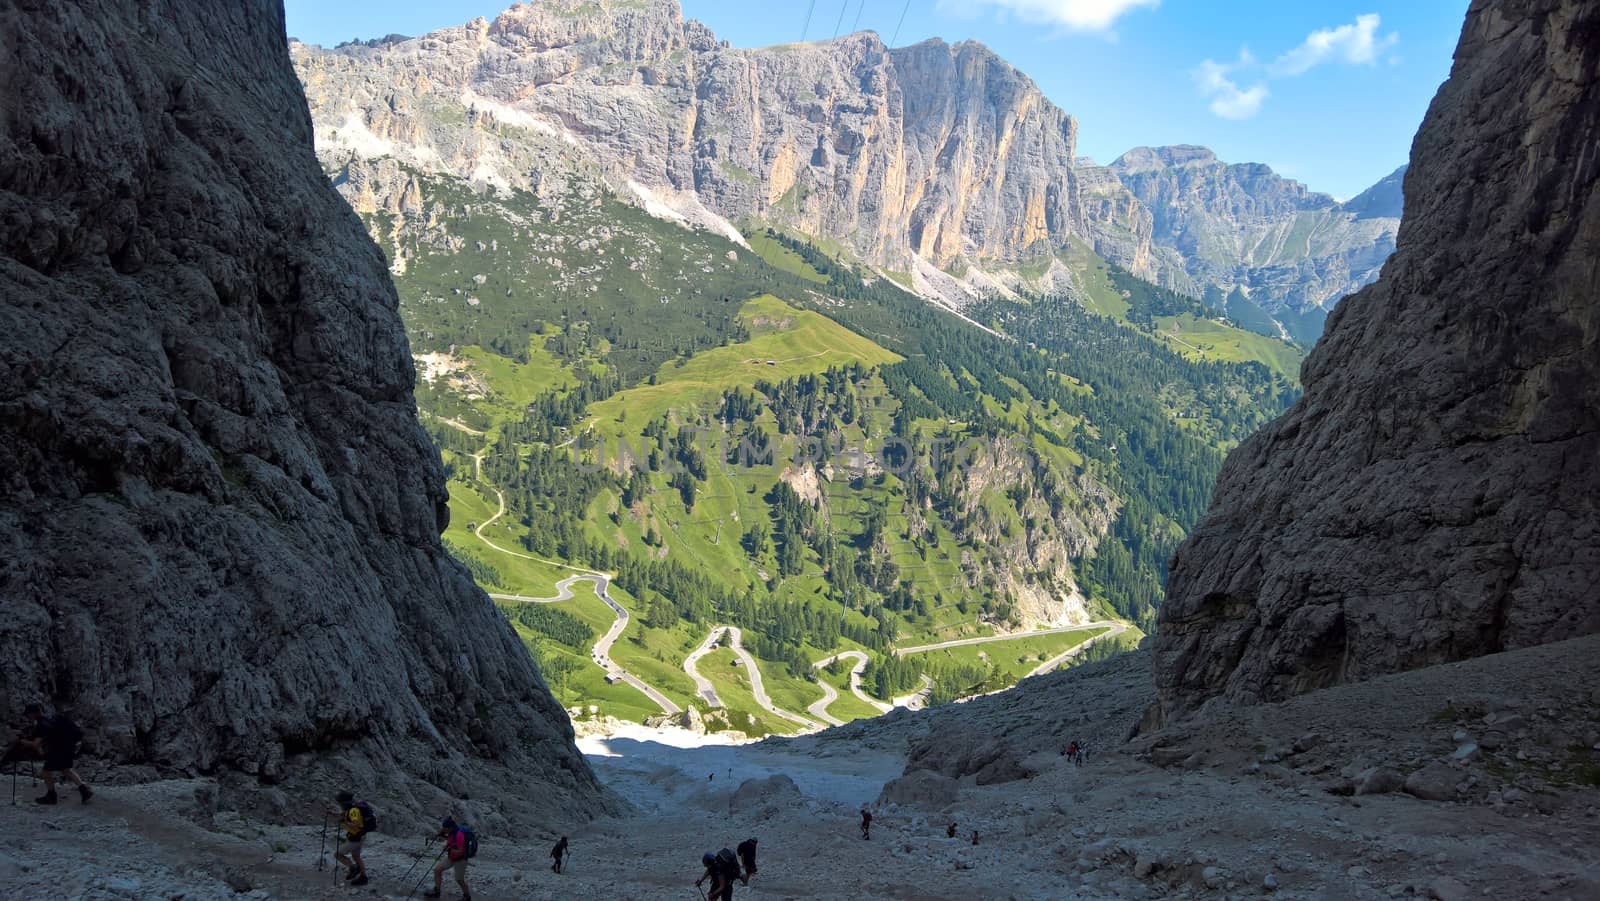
807, 27
843, 5
856, 25
902, 21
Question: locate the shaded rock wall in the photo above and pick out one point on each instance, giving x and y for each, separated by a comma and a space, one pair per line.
219, 517
1436, 493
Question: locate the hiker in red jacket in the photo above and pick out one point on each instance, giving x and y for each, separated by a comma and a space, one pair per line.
456, 852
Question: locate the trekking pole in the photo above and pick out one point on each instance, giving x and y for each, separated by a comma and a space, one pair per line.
407, 877
322, 846
425, 872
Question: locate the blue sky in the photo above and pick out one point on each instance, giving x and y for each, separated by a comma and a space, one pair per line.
1326, 92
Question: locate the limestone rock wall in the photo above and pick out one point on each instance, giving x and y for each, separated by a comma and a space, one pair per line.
935, 152
1435, 495
219, 516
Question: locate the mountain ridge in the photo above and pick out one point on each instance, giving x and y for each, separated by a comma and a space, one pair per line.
938, 160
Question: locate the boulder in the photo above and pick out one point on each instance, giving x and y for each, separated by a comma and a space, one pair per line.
1434, 782
1379, 781
921, 788
764, 796
984, 758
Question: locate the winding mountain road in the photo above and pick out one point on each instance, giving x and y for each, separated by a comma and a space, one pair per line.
860, 658
709, 691
819, 709
601, 654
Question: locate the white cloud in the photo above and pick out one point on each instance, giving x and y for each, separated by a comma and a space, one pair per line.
1228, 100
1357, 43
1074, 15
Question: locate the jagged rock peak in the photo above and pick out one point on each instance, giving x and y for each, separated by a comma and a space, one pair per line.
1434, 495
1386, 198
219, 515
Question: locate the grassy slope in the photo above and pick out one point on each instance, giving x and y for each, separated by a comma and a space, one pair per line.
798, 342
1016, 658
1209, 339
1194, 338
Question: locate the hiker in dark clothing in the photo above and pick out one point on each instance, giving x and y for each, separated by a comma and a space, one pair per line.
951, 830
722, 869
558, 852
747, 857
974, 836
55, 738
866, 823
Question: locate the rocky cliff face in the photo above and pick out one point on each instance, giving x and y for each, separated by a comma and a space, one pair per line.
921, 156
1293, 251
1434, 496
220, 517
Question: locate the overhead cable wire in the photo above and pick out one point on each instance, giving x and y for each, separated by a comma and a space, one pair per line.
807, 27
902, 21
856, 25
843, 5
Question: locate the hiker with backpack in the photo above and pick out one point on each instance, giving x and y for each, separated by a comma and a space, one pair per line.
747, 857
55, 738
722, 868
357, 819
866, 824
460, 846
558, 852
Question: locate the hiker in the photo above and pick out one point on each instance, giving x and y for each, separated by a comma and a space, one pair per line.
558, 852
950, 831
866, 824
974, 836
356, 819
722, 869
458, 846
747, 856
1073, 755
55, 738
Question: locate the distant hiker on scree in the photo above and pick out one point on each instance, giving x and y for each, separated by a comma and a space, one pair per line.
950, 830
357, 819
866, 823
459, 846
558, 852
747, 856
55, 738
